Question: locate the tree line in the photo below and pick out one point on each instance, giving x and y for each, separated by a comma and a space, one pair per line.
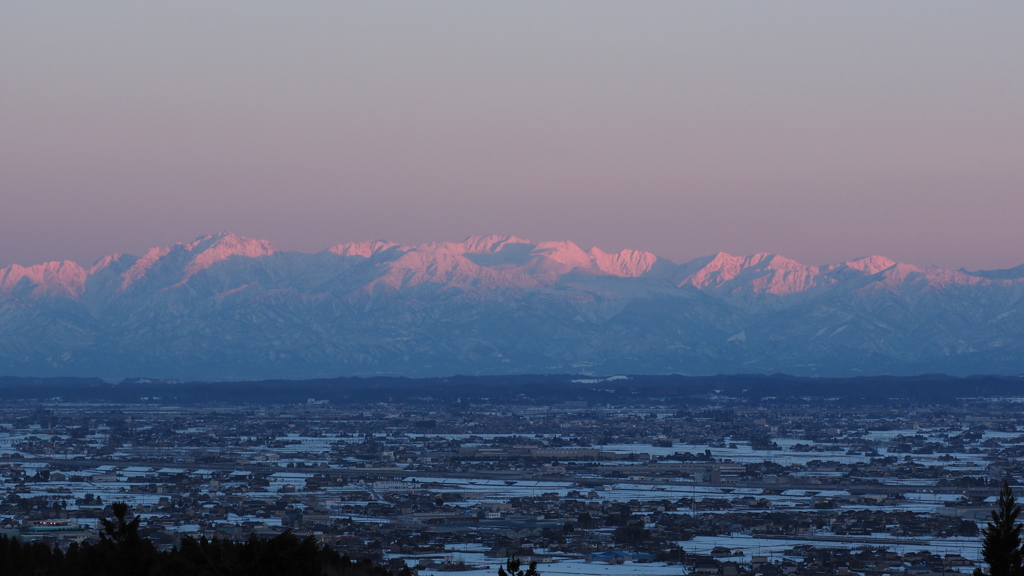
121, 551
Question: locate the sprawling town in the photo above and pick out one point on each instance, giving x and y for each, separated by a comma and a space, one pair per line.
708, 484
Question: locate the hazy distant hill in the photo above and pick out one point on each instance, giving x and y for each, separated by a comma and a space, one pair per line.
225, 307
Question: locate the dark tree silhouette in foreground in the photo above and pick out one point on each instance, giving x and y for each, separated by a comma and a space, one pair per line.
513, 564
122, 551
1001, 547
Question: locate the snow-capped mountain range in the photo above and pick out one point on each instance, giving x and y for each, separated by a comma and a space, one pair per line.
226, 307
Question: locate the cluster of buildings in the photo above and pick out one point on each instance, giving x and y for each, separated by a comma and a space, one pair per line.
784, 487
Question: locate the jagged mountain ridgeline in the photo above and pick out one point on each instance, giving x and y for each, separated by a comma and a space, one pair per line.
227, 307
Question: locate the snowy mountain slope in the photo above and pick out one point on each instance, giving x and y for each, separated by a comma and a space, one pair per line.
225, 307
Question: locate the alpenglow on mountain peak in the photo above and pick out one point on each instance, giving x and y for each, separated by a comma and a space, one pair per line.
226, 306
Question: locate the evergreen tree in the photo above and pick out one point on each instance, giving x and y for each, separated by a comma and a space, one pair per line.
1001, 547
121, 551
120, 530
513, 564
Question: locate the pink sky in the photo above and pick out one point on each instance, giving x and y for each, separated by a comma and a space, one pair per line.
821, 131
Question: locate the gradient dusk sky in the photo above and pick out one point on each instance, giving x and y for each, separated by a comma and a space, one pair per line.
822, 131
